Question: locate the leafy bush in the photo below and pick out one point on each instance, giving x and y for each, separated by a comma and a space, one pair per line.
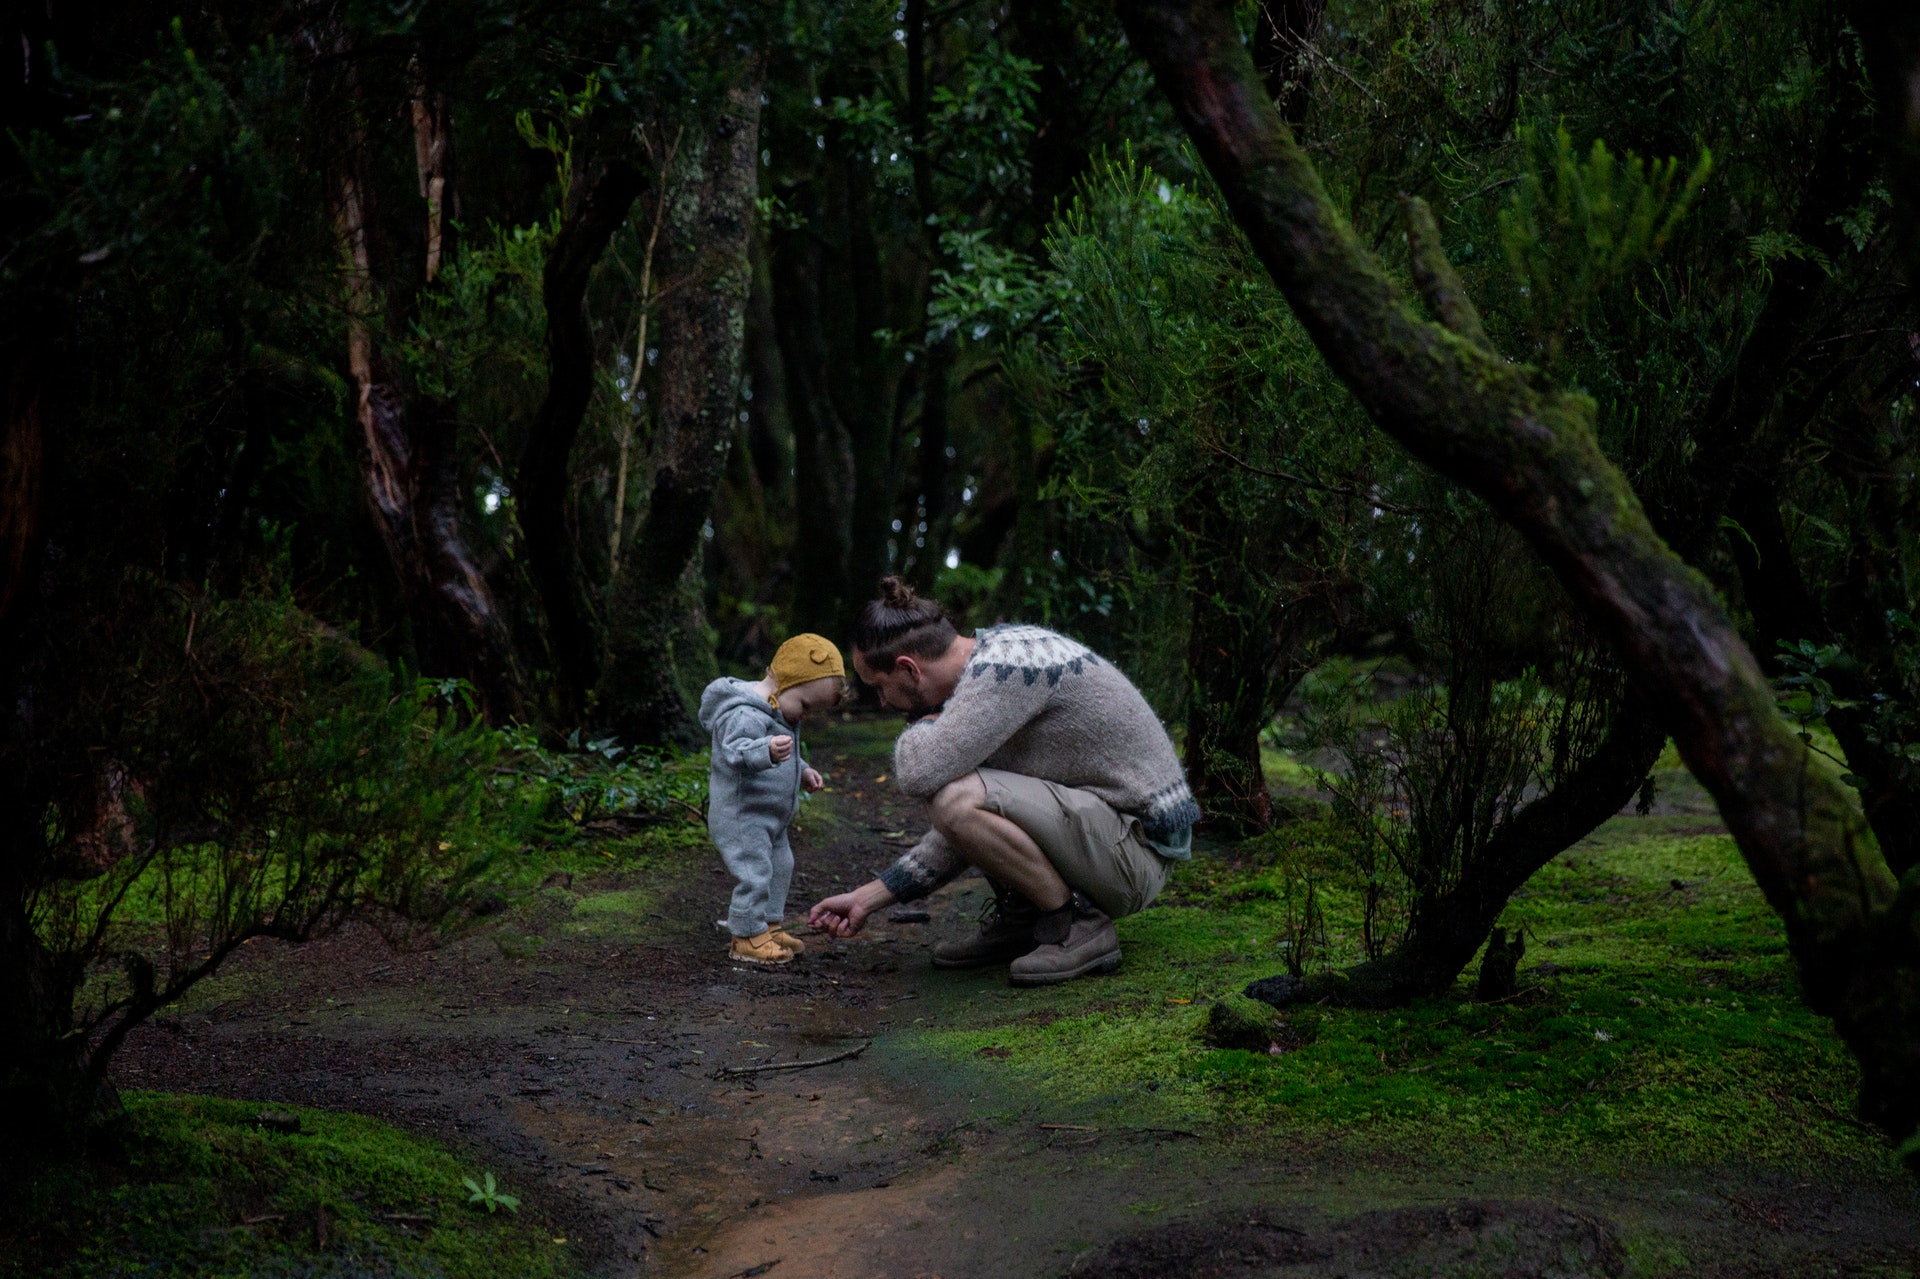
600, 779
227, 768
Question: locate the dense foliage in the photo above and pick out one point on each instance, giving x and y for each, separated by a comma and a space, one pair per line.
376, 371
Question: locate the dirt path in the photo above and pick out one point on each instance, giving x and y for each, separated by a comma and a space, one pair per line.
573, 1047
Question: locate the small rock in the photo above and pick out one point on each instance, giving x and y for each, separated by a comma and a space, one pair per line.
559, 879
1238, 1022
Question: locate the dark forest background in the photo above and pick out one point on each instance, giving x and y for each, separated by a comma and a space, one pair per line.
381, 375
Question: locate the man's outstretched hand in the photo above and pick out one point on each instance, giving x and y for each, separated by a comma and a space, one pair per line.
845, 914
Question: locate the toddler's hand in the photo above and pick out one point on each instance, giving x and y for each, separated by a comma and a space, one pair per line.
780, 749
812, 780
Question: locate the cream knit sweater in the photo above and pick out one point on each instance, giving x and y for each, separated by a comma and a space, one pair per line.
1034, 702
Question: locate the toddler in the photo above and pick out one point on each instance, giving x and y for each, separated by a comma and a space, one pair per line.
755, 782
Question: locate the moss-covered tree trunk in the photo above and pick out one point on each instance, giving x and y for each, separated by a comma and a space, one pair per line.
44, 1092
553, 561
658, 652
1447, 926
1530, 450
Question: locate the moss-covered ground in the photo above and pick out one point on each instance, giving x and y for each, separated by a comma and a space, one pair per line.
200, 1187
1657, 1070
1659, 1020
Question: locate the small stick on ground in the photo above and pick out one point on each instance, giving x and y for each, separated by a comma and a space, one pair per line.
726, 1072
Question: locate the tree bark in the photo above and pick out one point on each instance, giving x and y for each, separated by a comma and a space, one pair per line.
822, 450
1232, 650
1531, 452
1049, 34
540, 485
43, 1095
22, 467
433, 159
1445, 931
1890, 31
1282, 29
412, 490
866, 397
657, 640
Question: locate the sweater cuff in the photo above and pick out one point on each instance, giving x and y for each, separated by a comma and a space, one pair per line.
922, 869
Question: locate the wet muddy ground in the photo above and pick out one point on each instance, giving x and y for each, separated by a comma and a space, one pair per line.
582, 1056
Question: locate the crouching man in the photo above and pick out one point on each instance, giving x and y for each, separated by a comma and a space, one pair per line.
1045, 768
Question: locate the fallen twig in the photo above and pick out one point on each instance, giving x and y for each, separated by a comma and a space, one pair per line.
609, 1039
736, 1071
1067, 1128
752, 1271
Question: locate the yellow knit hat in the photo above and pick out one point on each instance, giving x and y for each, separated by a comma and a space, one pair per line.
804, 658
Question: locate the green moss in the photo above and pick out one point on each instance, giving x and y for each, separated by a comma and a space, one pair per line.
204, 1190
1662, 1022
620, 915
1286, 772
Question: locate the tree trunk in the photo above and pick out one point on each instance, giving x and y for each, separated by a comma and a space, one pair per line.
1890, 31
866, 398
1050, 34
1531, 452
22, 465
458, 629
658, 649
822, 452
541, 484
1232, 651
1445, 931
44, 1097
936, 397
1282, 31
433, 159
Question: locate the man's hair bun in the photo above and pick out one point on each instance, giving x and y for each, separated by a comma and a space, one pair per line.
901, 624
895, 593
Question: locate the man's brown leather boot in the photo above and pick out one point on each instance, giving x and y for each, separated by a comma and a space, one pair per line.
1074, 941
1005, 934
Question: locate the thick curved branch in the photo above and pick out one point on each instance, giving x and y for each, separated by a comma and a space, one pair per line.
1435, 277
1531, 452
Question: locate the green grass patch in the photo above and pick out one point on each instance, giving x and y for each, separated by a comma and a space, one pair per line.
204, 1190
620, 915
1661, 1022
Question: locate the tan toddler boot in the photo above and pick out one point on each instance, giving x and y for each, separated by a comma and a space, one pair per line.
781, 937
761, 950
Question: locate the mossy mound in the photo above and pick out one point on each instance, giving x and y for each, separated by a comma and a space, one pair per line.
205, 1186
1234, 1021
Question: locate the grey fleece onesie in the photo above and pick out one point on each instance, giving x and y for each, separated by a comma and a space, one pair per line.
750, 801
